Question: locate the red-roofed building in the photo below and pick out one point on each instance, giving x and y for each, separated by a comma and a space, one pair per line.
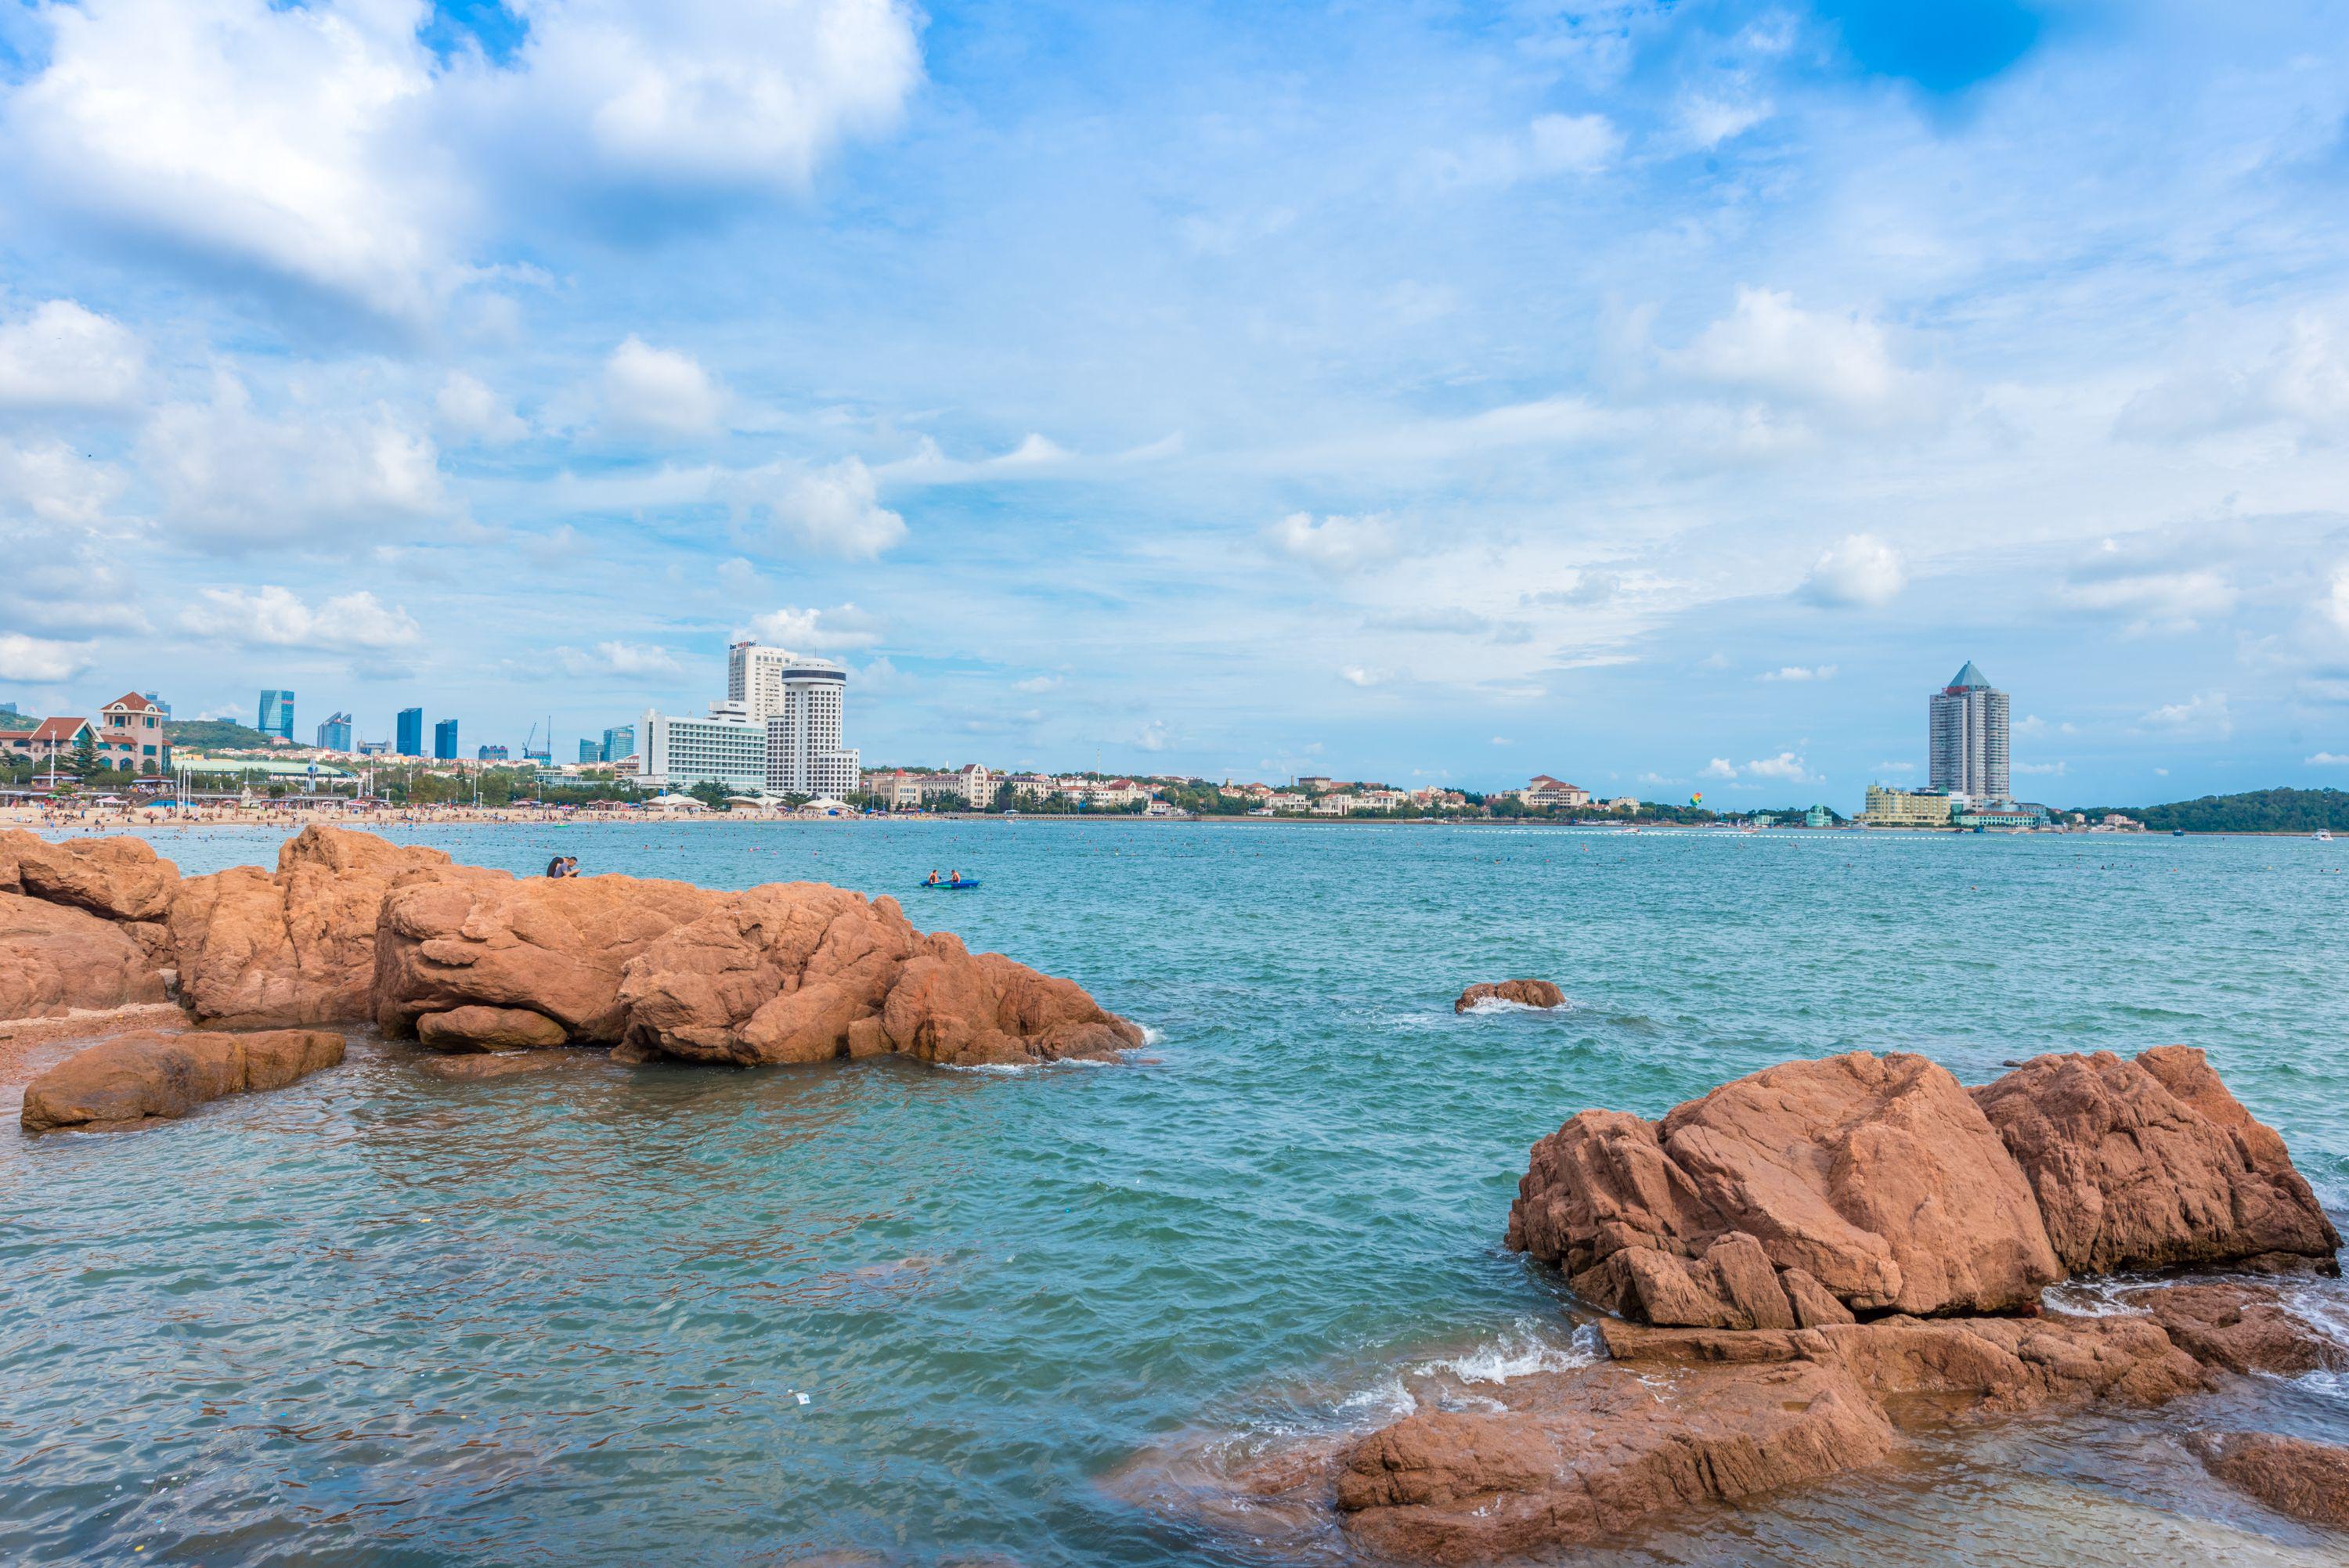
137, 724
1545, 790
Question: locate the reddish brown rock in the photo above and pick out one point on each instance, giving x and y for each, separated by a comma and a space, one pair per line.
55, 959
2303, 1479
553, 945
506, 1064
1877, 1177
489, 1030
802, 972
1578, 1453
2006, 1364
141, 1076
119, 877
295, 946
2132, 1174
2241, 1327
1525, 993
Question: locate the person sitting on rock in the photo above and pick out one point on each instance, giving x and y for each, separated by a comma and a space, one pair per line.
554, 867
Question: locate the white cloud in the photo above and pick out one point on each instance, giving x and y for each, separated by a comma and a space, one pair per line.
2207, 715
63, 356
324, 144
2336, 601
1154, 736
1770, 346
2147, 586
468, 409
2049, 770
2301, 387
1858, 569
1709, 122
624, 661
1786, 766
57, 484
1799, 673
23, 658
1551, 144
232, 475
833, 511
272, 617
1896, 767
2328, 760
1355, 675
1503, 740
842, 626
660, 391
1039, 683
1719, 767
705, 93
1335, 543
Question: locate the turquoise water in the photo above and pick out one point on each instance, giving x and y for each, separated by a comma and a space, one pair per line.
570, 1318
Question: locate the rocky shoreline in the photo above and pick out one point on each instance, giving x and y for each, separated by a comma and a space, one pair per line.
1806, 1267
351, 929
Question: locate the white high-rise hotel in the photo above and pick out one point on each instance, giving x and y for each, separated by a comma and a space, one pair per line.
778, 729
799, 700
1967, 734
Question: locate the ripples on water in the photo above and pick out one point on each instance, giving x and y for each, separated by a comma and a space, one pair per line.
570, 1318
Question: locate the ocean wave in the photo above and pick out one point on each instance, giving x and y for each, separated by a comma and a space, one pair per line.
1503, 1004
1520, 1353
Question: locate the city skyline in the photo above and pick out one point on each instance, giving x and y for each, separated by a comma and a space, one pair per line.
1407, 396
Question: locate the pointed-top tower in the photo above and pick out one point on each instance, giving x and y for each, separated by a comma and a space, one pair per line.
1966, 737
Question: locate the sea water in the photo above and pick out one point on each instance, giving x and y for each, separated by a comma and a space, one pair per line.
883, 1313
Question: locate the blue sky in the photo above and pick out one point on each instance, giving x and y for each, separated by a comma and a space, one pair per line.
1665, 396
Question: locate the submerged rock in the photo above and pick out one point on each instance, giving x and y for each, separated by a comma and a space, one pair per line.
1574, 1454
2151, 1164
2240, 1327
489, 1030
1871, 1182
1525, 993
2296, 1477
142, 1077
506, 1064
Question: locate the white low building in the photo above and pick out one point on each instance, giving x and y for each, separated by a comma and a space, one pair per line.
728, 747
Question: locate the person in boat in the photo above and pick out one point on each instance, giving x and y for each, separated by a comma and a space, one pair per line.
954, 879
934, 879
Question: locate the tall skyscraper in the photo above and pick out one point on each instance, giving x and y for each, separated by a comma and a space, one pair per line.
1967, 737
444, 741
335, 734
409, 740
277, 714
590, 751
619, 742
800, 701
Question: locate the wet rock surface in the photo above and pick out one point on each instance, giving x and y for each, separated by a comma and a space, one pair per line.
2240, 1327
148, 1075
2297, 1477
1524, 993
476, 1028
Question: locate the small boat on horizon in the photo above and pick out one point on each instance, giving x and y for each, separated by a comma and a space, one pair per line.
2323, 835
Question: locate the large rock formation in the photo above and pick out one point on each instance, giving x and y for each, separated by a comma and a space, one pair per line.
118, 879
57, 959
795, 972
2303, 1479
551, 945
297, 945
141, 1076
1801, 1193
2152, 1164
1747, 1228
1524, 993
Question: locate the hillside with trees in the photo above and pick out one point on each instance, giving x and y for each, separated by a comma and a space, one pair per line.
2254, 811
214, 735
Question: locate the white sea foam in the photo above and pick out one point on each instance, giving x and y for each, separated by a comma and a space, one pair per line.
1503, 1004
1519, 1354
1151, 1035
